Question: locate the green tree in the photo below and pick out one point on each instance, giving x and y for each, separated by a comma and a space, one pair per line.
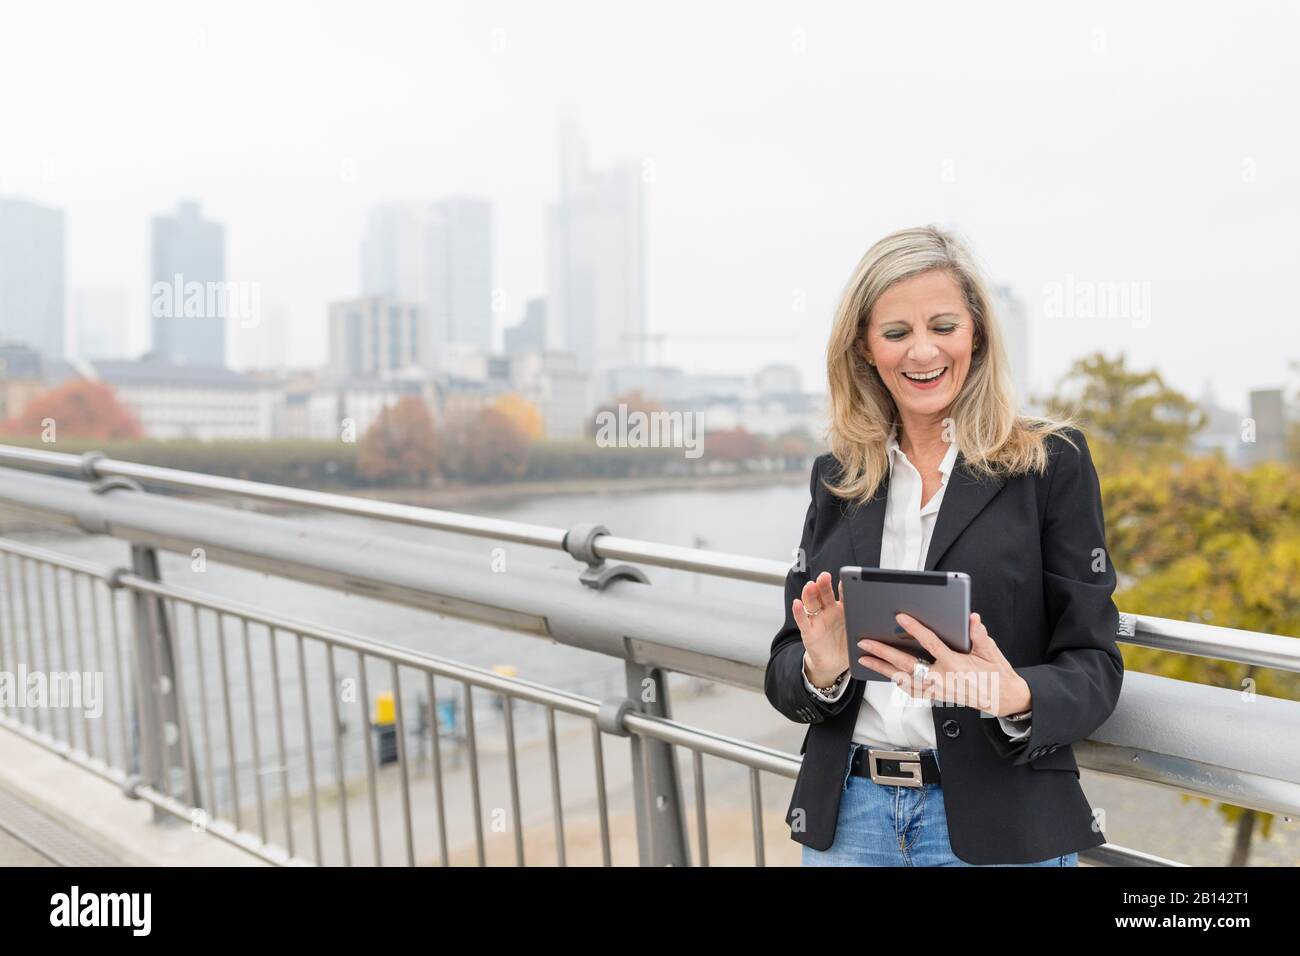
1129, 416
1207, 542
1193, 539
1293, 428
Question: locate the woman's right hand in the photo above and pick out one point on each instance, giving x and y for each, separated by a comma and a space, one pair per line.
823, 633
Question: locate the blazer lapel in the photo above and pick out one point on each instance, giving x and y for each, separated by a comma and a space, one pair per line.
867, 526
963, 499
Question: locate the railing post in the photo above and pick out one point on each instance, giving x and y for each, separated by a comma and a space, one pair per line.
158, 710
660, 820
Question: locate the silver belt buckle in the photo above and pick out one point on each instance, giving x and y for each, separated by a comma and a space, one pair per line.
911, 774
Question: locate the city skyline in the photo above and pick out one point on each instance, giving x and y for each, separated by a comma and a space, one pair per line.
426, 225
747, 249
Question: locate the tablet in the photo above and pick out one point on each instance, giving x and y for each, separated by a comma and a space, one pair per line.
872, 596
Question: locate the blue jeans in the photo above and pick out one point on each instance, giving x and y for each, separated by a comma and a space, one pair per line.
884, 825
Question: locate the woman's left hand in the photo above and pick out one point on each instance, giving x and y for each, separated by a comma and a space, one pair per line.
982, 679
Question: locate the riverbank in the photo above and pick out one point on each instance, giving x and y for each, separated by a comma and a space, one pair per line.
464, 496
461, 494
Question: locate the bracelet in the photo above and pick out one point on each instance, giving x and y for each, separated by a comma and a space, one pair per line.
1024, 716
831, 689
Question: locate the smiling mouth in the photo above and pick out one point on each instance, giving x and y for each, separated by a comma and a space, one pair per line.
925, 378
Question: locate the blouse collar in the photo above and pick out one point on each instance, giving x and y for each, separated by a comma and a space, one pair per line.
945, 466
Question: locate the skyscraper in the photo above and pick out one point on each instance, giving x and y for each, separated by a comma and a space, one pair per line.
187, 297
596, 261
437, 255
1015, 331
32, 276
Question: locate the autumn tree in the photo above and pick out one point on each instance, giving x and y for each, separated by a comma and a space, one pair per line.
635, 400
734, 445
523, 413
483, 445
793, 446
78, 408
400, 447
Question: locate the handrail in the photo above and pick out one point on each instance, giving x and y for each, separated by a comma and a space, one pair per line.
1281, 652
94, 466
1194, 738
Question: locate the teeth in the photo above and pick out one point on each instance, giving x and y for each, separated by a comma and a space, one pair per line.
923, 376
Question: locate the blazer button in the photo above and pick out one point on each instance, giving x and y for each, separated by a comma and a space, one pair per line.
951, 728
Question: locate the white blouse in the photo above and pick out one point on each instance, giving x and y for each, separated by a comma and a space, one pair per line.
888, 717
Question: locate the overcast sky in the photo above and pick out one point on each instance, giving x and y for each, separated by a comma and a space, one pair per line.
1151, 143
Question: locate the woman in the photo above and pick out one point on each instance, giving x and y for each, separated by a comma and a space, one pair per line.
931, 468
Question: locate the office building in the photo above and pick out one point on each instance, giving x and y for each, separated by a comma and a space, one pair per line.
191, 401
22, 377
375, 336
438, 255
32, 276
189, 298
553, 382
596, 261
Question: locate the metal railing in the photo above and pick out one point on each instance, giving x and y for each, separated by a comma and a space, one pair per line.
187, 725
205, 790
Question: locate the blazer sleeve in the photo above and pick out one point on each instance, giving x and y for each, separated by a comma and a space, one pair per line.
783, 681
1078, 686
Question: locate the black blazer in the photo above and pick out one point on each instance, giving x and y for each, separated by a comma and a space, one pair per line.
1032, 546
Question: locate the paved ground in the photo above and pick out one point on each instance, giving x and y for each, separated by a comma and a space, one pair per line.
52, 811
14, 852
1138, 815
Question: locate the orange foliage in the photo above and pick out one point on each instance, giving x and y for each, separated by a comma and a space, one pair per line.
486, 445
400, 446
522, 412
76, 409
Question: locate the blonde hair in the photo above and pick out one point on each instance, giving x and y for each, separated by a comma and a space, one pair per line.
993, 437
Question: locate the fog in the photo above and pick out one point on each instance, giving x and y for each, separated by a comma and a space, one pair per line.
1113, 143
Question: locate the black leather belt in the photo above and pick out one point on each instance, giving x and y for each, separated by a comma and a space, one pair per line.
895, 768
